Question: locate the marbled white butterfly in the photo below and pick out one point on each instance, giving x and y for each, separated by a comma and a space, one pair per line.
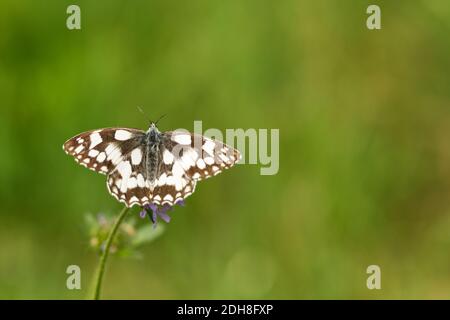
150, 167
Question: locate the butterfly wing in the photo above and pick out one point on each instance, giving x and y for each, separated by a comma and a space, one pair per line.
199, 157
102, 150
128, 184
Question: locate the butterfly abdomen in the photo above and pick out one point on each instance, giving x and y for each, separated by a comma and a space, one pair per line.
153, 151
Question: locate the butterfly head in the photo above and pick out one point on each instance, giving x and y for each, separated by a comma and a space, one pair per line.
153, 129
152, 126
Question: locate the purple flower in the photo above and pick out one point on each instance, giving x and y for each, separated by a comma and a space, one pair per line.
154, 211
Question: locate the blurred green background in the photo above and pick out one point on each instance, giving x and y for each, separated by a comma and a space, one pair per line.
364, 125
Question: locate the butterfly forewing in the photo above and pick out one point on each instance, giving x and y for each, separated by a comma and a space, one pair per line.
101, 150
198, 156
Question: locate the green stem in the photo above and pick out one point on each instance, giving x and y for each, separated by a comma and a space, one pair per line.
105, 253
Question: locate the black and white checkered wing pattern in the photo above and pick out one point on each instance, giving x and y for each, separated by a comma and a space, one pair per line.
139, 176
102, 150
187, 158
197, 156
130, 185
182, 162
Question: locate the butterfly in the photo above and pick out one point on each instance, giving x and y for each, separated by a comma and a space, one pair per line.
150, 167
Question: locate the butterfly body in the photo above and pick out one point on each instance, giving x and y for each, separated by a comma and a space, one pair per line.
152, 166
153, 140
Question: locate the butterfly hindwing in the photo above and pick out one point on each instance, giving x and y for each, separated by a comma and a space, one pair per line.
129, 186
128, 182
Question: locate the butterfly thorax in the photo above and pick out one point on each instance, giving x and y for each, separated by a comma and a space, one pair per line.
153, 140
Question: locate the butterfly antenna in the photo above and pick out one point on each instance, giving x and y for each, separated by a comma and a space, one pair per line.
142, 111
160, 118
